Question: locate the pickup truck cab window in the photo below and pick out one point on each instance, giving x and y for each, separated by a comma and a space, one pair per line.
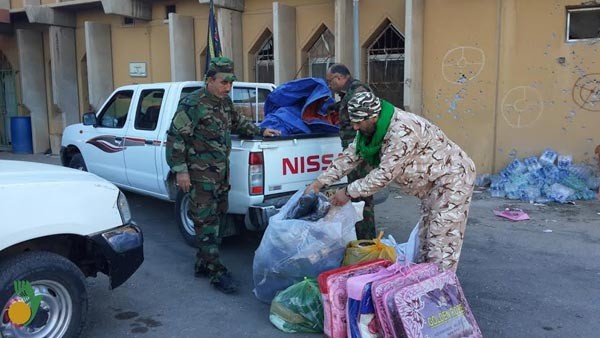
115, 112
186, 90
246, 101
148, 110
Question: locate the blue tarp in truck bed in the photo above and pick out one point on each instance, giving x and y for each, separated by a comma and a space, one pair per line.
299, 107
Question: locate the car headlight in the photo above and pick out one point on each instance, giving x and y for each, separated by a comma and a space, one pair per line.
123, 207
124, 238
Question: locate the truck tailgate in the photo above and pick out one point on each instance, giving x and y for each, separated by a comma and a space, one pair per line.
292, 164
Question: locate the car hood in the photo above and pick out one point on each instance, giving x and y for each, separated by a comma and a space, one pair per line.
21, 172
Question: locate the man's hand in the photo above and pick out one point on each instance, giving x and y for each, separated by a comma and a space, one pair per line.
315, 186
271, 132
340, 197
184, 182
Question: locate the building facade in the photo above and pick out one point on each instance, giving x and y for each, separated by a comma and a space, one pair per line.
503, 78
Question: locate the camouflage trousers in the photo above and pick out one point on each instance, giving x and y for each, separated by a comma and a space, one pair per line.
442, 226
208, 208
365, 229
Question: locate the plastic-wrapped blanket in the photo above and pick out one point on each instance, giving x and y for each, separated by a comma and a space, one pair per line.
292, 249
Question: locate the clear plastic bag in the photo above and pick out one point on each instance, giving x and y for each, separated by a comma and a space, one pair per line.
292, 249
299, 308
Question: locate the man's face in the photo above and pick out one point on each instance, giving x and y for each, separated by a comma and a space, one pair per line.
336, 81
218, 86
366, 127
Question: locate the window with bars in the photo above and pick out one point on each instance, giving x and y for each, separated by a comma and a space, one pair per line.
385, 65
263, 64
321, 55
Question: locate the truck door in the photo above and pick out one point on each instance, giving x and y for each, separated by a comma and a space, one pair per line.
142, 143
103, 150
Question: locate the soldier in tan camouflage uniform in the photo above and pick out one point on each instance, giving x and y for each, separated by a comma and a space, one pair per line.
341, 82
419, 157
198, 147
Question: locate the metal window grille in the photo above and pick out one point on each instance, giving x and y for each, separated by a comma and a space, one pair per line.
263, 62
321, 55
385, 66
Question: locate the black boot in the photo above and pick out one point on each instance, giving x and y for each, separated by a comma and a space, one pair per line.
224, 282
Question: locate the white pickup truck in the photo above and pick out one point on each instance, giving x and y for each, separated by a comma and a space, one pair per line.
125, 143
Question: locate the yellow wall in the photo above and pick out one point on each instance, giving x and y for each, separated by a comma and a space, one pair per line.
464, 109
516, 99
256, 19
16, 4
372, 22
530, 71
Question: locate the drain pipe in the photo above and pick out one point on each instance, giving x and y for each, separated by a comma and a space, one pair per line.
356, 39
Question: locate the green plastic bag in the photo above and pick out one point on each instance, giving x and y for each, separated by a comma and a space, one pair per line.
299, 308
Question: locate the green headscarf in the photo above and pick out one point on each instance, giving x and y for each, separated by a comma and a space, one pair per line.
369, 150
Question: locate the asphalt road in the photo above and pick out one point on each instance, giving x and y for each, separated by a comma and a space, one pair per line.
520, 279
535, 278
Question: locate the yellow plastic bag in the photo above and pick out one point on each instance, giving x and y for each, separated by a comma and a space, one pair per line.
368, 250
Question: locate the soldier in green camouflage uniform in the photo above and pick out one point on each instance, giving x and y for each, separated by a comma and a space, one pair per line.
198, 147
341, 82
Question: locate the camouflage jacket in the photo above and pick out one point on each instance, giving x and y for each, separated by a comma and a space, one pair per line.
199, 139
347, 134
415, 154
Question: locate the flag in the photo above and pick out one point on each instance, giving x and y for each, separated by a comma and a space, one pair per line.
213, 42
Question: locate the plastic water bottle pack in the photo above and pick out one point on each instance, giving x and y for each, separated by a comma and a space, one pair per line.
548, 178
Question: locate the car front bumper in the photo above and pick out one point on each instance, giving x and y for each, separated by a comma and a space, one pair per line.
123, 249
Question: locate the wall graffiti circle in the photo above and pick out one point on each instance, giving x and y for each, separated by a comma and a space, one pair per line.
522, 106
586, 92
461, 64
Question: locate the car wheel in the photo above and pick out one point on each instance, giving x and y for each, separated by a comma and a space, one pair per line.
184, 222
77, 162
61, 285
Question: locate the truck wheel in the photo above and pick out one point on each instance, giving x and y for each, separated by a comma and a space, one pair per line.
233, 224
184, 222
63, 307
77, 162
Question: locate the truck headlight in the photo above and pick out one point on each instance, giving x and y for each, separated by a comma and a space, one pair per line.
123, 207
124, 238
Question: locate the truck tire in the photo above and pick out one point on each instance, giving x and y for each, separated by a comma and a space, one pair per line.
77, 162
234, 224
63, 308
184, 222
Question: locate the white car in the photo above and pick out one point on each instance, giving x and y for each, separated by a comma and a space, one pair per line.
57, 226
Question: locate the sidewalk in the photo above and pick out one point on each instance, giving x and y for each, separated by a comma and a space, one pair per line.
41, 158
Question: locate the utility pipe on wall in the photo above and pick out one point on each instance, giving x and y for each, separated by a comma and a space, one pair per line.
356, 39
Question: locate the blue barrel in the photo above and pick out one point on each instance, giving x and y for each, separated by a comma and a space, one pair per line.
20, 132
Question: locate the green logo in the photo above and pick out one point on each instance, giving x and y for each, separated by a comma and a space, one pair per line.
23, 310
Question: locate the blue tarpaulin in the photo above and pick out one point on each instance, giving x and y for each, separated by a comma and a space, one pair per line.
299, 107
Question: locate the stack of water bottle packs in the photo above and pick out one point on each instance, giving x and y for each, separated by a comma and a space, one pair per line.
548, 178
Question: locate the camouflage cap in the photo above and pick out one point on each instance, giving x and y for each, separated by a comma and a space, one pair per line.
223, 66
363, 105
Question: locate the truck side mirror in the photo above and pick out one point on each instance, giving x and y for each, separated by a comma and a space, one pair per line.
89, 119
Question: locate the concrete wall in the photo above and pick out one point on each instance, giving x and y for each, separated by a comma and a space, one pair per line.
230, 30
284, 26
181, 43
99, 62
497, 76
65, 98
501, 90
31, 53
257, 18
344, 30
